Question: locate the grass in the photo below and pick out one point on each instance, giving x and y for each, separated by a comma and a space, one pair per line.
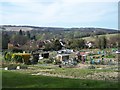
107, 35
110, 56
13, 79
75, 72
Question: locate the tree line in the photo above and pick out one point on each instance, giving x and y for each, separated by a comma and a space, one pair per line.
21, 38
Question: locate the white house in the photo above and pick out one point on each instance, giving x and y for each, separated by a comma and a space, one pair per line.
89, 44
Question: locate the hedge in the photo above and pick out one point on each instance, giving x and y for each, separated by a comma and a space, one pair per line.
18, 57
25, 57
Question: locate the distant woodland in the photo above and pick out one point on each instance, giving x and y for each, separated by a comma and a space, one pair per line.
50, 37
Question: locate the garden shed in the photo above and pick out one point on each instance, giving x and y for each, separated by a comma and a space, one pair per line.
45, 55
62, 57
35, 57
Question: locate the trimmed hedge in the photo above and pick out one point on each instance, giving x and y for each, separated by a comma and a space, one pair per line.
24, 57
18, 57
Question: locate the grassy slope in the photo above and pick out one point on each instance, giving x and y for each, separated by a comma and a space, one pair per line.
18, 80
92, 38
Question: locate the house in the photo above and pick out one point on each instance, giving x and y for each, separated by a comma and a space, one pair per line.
40, 57
33, 45
10, 46
62, 57
65, 51
89, 44
43, 55
40, 43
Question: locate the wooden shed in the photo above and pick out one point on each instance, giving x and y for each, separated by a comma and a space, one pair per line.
62, 57
45, 55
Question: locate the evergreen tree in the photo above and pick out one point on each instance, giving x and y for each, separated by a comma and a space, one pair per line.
57, 45
20, 32
33, 38
5, 40
28, 34
101, 42
104, 42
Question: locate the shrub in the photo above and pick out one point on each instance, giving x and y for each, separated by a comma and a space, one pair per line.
57, 62
91, 67
23, 66
18, 58
102, 62
110, 56
14, 66
10, 66
48, 61
15, 50
25, 57
8, 56
21, 57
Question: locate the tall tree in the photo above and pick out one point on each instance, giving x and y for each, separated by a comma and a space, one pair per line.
104, 42
18, 39
33, 38
57, 45
101, 42
28, 34
5, 40
20, 32
77, 43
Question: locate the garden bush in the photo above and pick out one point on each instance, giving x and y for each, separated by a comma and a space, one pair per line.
24, 56
91, 67
15, 50
110, 56
17, 58
23, 66
57, 62
14, 66
10, 66
48, 61
8, 56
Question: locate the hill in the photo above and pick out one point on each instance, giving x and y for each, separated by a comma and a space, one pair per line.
57, 32
28, 28
107, 35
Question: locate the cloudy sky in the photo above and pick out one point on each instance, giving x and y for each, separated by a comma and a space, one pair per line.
60, 13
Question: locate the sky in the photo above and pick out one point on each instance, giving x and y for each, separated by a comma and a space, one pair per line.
60, 13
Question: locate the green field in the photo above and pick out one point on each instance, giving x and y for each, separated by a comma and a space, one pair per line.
93, 38
12, 79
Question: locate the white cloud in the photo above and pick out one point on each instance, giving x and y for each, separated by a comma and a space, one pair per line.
56, 11
60, 1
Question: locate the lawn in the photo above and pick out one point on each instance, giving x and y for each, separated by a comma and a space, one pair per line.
12, 79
